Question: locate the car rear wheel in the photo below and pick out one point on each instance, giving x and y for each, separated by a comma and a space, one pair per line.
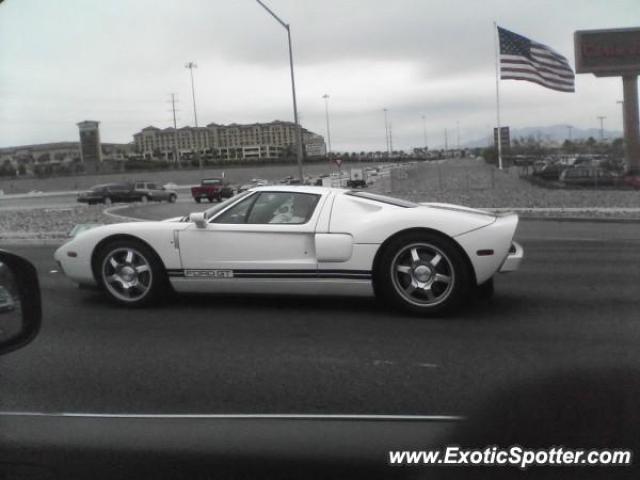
130, 273
422, 273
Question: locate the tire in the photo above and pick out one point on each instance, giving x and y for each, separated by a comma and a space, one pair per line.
197, 199
422, 273
172, 198
210, 199
144, 199
130, 273
107, 201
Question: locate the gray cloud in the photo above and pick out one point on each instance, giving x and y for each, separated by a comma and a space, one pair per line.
117, 61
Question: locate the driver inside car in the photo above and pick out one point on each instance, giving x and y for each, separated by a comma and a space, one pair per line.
297, 212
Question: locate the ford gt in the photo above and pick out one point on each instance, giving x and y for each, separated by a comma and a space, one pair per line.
424, 258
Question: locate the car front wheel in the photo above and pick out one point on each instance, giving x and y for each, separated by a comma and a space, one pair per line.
130, 273
422, 273
172, 198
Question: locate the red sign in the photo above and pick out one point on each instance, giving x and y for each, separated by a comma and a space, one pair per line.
608, 52
338, 162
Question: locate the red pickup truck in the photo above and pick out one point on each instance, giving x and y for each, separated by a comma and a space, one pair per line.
211, 189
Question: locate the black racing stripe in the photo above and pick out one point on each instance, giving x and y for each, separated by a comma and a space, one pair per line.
358, 274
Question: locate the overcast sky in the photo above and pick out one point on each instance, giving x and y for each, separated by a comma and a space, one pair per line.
117, 61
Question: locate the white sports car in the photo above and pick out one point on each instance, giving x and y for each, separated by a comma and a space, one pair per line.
425, 258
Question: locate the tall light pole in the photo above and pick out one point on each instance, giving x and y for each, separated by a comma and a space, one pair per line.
386, 130
293, 90
424, 133
191, 66
176, 150
601, 118
326, 114
621, 103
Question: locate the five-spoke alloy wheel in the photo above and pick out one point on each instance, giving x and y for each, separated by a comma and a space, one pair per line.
130, 273
423, 273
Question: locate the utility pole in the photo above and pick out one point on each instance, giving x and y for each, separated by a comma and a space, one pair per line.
601, 118
390, 139
621, 103
326, 113
176, 150
446, 142
191, 66
424, 133
458, 135
570, 129
386, 131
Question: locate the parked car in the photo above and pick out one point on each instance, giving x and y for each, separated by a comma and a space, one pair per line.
211, 189
111, 193
632, 179
424, 258
588, 176
359, 183
154, 192
551, 171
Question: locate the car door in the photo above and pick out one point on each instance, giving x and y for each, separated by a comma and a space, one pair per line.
262, 235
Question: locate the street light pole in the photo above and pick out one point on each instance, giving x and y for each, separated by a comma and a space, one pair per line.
191, 66
601, 118
326, 113
386, 131
293, 90
424, 133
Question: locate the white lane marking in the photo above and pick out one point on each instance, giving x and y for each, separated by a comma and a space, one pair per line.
378, 363
53, 271
239, 416
426, 365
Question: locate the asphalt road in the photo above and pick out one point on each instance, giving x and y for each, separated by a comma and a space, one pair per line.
574, 304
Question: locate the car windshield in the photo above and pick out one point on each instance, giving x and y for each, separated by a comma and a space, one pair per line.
438, 214
211, 212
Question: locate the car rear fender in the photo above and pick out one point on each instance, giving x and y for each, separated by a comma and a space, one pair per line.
488, 247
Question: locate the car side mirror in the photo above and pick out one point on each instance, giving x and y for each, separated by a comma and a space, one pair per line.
20, 303
199, 219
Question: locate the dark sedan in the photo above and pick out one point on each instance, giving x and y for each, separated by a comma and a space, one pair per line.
111, 193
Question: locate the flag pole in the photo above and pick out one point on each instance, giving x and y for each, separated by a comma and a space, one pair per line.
499, 131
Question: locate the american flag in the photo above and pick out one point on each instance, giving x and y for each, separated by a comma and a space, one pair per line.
524, 59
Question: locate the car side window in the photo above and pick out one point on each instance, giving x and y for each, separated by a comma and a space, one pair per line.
237, 213
283, 208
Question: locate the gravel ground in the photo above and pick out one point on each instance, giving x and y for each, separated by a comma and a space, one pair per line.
462, 181
473, 183
48, 223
